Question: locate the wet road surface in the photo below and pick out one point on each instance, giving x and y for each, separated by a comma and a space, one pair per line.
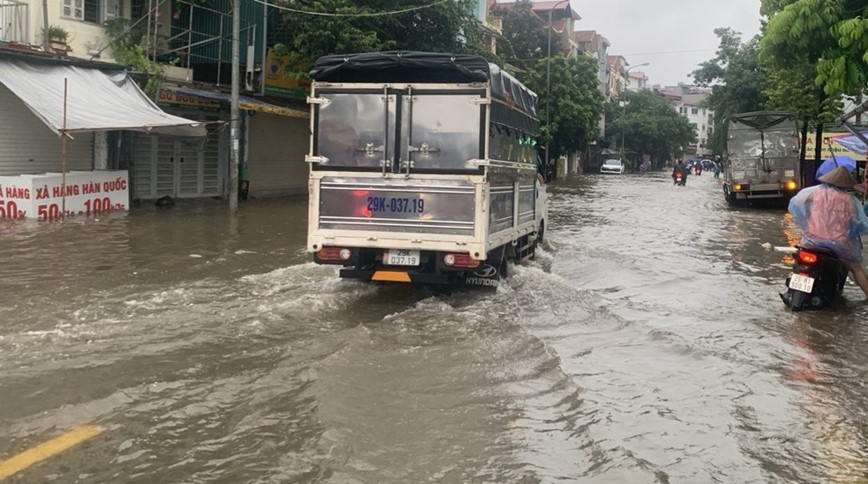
646, 343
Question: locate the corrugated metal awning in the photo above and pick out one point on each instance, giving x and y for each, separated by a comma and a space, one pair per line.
96, 99
244, 102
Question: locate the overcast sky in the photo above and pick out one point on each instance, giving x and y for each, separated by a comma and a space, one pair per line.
673, 35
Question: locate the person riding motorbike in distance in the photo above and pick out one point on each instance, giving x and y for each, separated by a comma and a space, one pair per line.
679, 170
832, 218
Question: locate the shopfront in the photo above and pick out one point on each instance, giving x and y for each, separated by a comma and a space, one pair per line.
56, 121
274, 139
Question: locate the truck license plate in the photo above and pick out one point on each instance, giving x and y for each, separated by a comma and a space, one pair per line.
801, 283
401, 257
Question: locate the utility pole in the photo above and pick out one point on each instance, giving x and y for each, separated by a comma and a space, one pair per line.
45, 37
548, 91
549, 79
234, 112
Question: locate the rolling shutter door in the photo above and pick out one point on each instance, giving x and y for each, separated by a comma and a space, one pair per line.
276, 149
27, 146
164, 167
142, 170
178, 167
212, 185
153, 168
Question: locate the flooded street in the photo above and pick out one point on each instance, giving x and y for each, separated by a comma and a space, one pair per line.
646, 343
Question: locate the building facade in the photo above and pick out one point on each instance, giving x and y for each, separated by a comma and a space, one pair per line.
637, 80
617, 79
563, 19
689, 101
80, 22
196, 41
595, 46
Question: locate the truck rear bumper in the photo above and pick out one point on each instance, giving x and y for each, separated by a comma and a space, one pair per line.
754, 191
755, 194
391, 275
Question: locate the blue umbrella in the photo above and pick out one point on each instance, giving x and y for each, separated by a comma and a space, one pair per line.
834, 162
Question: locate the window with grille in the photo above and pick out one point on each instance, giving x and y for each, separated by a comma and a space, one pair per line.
84, 10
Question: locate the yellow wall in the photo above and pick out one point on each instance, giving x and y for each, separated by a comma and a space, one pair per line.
84, 37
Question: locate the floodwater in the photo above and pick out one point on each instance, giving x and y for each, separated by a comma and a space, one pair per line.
646, 343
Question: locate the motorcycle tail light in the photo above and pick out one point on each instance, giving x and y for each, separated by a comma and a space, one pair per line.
807, 257
459, 260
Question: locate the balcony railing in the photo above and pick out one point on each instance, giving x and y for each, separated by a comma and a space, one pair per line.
13, 21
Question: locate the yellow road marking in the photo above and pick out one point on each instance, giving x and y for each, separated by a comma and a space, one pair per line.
47, 449
391, 276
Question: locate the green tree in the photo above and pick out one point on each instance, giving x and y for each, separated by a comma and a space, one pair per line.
525, 37
814, 51
444, 27
128, 44
649, 124
792, 88
736, 80
573, 98
832, 34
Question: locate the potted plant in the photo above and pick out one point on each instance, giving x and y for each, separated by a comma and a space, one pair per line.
57, 34
57, 37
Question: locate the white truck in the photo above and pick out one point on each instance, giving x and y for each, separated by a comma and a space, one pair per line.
423, 168
761, 161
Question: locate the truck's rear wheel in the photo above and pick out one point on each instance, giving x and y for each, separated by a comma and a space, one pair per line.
538, 239
502, 269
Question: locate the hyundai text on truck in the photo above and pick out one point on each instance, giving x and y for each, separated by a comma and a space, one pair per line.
423, 168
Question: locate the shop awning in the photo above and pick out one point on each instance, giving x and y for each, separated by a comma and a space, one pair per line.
245, 102
97, 99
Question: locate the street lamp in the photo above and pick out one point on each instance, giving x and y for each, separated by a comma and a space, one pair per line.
549, 74
624, 103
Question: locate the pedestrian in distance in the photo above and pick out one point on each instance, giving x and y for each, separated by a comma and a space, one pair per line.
717, 167
832, 218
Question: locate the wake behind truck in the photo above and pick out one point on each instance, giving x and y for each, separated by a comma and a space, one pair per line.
423, 168
761, 161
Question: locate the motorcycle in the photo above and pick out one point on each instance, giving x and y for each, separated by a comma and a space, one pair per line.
678, 179
817, 279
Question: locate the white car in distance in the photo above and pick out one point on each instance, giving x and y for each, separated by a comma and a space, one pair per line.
613, 166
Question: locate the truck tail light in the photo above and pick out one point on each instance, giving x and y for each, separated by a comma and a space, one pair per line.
334, 254
454, 259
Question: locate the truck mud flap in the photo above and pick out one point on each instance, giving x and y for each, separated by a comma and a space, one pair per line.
387, 275
488, 276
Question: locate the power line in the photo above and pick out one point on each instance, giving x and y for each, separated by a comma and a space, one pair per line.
350, 15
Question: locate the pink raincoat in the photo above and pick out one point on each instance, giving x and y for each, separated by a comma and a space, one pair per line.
831, 218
